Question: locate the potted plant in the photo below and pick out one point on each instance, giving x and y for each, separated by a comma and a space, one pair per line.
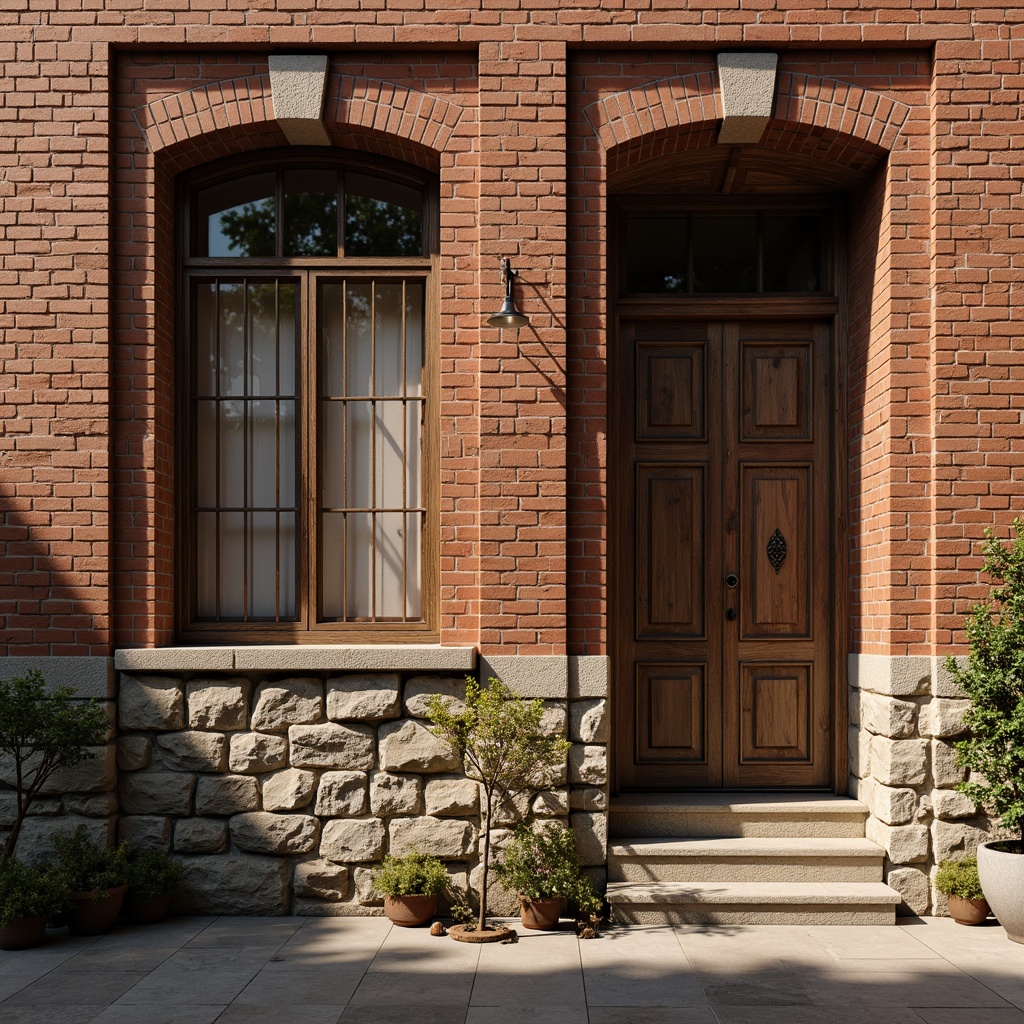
498, 735
410, 886
993, 751
958, 881
28, 896
542, 866
97, 878
39, 733
152, 877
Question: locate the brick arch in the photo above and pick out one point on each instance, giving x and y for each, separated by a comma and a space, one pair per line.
804, 103
220, 117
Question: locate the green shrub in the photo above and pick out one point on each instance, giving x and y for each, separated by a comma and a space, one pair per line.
41, 732
152, 873
959, 878
88, 867
543, 863
993, 679
30, 892
415, 874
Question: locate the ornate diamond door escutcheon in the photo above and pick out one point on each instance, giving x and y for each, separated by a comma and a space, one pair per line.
776, 550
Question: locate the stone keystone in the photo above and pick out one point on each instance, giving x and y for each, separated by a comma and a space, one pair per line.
298, 84
747, 82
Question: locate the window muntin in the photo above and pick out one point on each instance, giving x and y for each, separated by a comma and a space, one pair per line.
308, 391
739, 253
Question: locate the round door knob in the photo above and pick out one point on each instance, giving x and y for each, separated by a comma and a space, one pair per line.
730, 614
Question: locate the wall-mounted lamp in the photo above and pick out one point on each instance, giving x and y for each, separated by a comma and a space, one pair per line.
509, 315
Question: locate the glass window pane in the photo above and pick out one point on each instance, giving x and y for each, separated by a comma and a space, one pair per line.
792, 254
206, 338
725, 254
231, 338
359, 560
261, 306
231, 564
311, 213
206, 557
238, 218
359, 340
382, 218
388, 336
332, 565
390, 565
656, 254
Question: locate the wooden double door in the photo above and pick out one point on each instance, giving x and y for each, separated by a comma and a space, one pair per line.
723, 570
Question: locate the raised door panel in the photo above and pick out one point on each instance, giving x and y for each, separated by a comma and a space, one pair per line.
670, 394
775, 702
777, 396
671, 720
670, 551
776, 540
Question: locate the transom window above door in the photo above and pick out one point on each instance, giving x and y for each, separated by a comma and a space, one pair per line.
734, 252
306, 497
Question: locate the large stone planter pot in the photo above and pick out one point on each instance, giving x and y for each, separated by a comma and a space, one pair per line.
91, 916
22, 933
410, 911
1001, 871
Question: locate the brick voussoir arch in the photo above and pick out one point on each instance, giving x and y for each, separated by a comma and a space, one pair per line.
382, 108
827, 105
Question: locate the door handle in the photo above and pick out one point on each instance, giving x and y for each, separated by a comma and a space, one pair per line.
730, 614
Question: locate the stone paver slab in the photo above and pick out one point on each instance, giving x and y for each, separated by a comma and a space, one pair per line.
652, 1015
310, 1013
289, 984
63, 987
414, 988
144, 1014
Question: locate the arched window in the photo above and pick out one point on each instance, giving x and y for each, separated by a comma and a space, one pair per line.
307, 435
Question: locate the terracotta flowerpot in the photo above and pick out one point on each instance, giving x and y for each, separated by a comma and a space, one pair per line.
410, 911
967, 911
541, 915
1001, 871
146, 909
92, 916
22, 933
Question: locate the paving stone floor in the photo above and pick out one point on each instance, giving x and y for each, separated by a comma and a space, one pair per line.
363, 971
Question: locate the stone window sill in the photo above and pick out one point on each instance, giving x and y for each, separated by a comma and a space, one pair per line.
393, 658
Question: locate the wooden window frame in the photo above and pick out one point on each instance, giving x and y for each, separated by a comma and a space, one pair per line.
310, 273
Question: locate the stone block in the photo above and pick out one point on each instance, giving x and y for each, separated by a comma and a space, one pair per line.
36, 838
942, 718
395, 794
945, 772
447, 838
320, 880
510, 809
288, 790
226, 794
342, 794
588, 675
234, 884
332, 746
887, 716
555, 719
588, 721
899, 762
352, 840
287, 702
529, 675
552, 803
588, 798
193, 751
452, 796
134, 753
903, 844
96, 774
420, 689
217, 705
588, 764
368, 697
894, 806
955, 839
409, 746
591, 834
892, 676
943, 683
253, 753
157, 793
200, 835
859, 745
147, 832
501, 902
102, 805
913, 885
949, 804
150, 703
261, 832
366, 895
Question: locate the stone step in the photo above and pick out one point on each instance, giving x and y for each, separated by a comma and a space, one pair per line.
744, 860
800, 903
733, 815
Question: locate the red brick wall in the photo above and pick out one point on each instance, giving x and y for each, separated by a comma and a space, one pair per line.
86, 301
